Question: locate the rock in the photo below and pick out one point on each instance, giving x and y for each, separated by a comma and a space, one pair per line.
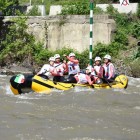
15, 70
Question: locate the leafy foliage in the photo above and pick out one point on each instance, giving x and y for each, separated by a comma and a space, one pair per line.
136, 30
138, 11
135, 67
4, 4
121, 37
137, 53
112, 49
34, 11
18, 44
79, 8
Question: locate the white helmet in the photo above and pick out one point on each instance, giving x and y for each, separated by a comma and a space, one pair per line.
107, 57
97, 59
71, 54
51, 59
89, 68
56, 56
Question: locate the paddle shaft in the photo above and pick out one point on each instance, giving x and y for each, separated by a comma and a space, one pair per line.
107, 82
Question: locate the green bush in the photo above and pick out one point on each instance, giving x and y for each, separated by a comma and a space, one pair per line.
121, 37
135, 68
111, 10
76, 9
100, 50
79, 8
137, 53
83, 58
123, 21
34, 11
18, 44
112, 49
138, 11
5, 4
42, 55
136, 30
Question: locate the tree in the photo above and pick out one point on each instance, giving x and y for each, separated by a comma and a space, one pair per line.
18, 44
4, 4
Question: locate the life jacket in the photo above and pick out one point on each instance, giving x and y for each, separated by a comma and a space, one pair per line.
108, 73
99, 70
81, 78
73, 68
59, 68
45, 70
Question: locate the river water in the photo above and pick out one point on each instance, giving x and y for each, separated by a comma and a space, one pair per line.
77, 114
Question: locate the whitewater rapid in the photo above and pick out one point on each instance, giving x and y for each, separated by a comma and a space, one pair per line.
77, 114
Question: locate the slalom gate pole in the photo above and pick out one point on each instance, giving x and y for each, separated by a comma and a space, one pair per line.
91, 32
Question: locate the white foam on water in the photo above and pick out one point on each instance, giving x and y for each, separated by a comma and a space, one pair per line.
67, 128
137, 107
57, 91
3, 75
24, 102
118, 90
133, 81
79, 89
128, 130
99, 121
86, 138
26, 97
8, 90
138, 86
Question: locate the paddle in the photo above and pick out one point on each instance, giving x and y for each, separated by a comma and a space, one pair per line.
107, 82
111, 80
104, 80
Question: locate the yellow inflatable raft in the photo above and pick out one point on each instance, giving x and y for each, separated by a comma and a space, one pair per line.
40, 85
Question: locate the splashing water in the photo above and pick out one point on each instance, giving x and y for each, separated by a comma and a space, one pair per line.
77, 114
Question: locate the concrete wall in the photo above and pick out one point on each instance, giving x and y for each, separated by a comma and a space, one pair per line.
55, 10
71, 31
132, 7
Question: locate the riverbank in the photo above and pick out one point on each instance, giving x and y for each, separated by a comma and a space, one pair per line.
14, 69
22, 53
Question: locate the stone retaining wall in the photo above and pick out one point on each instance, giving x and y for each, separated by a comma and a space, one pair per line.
56, 32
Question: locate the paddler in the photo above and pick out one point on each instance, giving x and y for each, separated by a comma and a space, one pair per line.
109, 69
72, 64
47, 69
81, 78
60, 69
97, 71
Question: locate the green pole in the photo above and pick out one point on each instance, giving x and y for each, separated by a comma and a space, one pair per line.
91, 32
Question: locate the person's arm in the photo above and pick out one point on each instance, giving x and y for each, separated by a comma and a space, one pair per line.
65, 66
89, 80
55, 72
43, 69
72, 60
